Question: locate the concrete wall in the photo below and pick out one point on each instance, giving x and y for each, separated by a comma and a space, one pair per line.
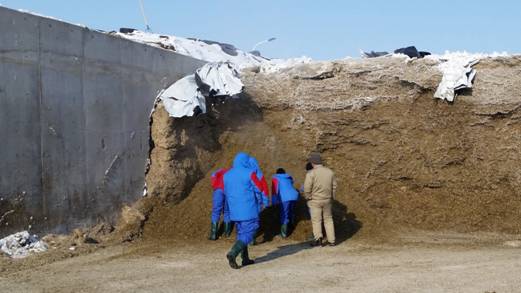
74, 121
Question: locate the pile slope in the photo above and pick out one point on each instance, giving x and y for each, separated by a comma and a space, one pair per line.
403, 159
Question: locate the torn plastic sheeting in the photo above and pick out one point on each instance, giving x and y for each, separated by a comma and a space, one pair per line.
457, 74
187, 96
21, 244
218, 79
183, 98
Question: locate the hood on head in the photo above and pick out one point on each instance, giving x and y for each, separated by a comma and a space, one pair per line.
254, 164
285, 175
241, 160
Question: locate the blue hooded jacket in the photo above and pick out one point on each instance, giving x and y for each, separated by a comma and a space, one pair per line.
263, 196
240, 190
282, 188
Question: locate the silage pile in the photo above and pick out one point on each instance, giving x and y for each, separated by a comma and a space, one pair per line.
404, 159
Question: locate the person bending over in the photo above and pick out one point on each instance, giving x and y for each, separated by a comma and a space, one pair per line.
283, 192
219, 206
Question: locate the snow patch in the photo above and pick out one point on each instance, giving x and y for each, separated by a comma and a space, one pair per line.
21, 244
211, 51
448, 55
200, 49
276, 65
49, 17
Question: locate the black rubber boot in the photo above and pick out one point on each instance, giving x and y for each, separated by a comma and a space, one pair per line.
213, 232
284, 231
237, 248
228, 229
246, 258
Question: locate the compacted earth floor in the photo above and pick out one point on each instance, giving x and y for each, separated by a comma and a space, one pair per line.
424, 262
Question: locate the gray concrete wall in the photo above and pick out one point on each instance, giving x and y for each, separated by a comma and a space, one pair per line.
74, 121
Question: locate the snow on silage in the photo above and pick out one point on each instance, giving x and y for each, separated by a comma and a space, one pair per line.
219, 77
213, 51
202, 50
456, 66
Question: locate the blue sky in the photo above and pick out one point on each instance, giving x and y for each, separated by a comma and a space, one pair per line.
319, 29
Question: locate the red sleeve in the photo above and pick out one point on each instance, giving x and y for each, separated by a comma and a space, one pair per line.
218, 179
265, 189
274, 186
214, 181
261, 184
256, 180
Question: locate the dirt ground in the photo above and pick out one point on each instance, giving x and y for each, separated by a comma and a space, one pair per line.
422, 262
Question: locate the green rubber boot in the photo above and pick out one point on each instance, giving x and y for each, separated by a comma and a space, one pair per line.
284, 231
213, 232
237, 248
246, 258
228, 229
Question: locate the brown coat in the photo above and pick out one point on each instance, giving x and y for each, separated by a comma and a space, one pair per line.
320, 184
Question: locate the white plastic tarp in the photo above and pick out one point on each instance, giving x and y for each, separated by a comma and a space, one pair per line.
457, 74
219, 79
183, 97
187, 96
21, 244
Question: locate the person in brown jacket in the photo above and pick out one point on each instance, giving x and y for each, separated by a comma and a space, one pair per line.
319, 190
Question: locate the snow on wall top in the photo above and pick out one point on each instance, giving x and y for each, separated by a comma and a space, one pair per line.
199, 49
211, 51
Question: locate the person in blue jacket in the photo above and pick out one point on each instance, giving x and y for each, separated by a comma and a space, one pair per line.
242, 196
219, 205
264, 190
283, 192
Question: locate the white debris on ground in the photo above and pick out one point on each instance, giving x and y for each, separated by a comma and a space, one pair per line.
22, 244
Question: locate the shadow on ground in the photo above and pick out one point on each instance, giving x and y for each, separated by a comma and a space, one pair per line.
282, 251
346, 226
346, 223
